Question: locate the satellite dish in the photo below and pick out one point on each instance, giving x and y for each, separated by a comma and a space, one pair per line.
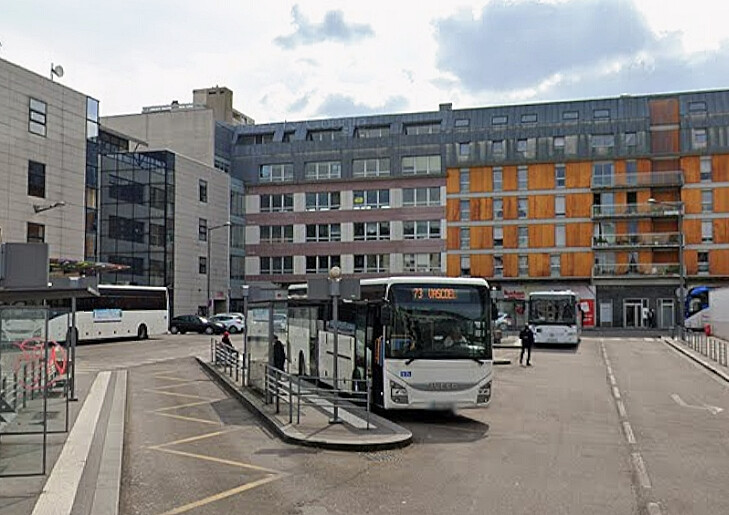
57, 70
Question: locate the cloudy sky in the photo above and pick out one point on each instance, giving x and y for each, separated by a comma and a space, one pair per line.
315, 58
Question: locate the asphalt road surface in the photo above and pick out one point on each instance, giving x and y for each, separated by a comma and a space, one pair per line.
615, 426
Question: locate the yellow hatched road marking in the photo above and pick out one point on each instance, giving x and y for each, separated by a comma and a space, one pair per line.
215, 460
194, 438
189, 419
174, 394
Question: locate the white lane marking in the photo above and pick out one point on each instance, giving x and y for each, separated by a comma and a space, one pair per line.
654, 508
621, 409
60, 490
629, 432
616, 392
714, 410
648, 339
640, 469
612, 380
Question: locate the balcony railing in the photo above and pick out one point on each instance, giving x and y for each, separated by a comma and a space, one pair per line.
639, 180
638, 270
656, 239
647, 210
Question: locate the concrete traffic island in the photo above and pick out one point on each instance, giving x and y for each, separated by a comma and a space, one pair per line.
315, 428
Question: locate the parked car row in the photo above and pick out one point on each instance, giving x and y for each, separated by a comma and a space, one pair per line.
217, 324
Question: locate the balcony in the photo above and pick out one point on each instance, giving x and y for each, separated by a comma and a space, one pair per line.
636, 270
638, 180
647, 210
629, 241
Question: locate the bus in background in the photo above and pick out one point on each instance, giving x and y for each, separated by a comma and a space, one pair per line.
424, 342
118, 312
554, 316
696, 309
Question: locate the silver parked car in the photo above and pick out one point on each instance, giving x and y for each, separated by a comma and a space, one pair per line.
232, 321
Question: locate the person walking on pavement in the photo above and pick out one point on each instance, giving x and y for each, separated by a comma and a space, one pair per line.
279, 354
226, 340
527, 341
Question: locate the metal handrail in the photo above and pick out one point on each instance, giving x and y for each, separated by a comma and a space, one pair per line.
653, 239
716, 349
636, 269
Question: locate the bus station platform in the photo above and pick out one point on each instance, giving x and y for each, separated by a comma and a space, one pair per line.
355, 430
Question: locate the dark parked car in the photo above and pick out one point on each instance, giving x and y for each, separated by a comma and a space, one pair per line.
195, 324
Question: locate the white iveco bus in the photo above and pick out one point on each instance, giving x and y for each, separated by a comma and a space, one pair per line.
555, 317
423, 341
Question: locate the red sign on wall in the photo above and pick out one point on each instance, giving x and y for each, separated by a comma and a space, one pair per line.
588, 312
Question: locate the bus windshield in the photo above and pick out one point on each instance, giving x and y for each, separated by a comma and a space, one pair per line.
552, 310
439, 322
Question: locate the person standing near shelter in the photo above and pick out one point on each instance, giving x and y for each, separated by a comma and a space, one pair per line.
279, 354
527, 341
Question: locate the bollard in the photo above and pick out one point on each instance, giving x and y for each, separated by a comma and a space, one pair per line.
298, 399
25, 384
276, 392
15, 391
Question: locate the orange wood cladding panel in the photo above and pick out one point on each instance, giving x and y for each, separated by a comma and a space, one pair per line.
719, 262
720, 168
666, 165
645, 257
578, 235
721, 231
452, 180
541, 177
663, 142
691, 262
540, 206
576, 264
453, 265
509, 178
541, 235
539, 265
510, 208
510, 237
453, 241
481, 208
691, 201
481, 179
578, 175
511, 265
578, 205
453, 213
691, 167
692, 231
481, 265
721, 200
668, 258
664, 111
481, 238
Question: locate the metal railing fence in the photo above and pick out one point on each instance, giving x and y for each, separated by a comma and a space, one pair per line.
716, 349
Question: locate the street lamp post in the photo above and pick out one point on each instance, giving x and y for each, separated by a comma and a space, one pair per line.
335, 275
208, 306
679, 207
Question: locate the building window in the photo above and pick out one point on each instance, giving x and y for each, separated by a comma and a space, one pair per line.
324, 232
521, 145
238, 236
558, 142
522, 208
127, 229
277, 233
697, 107
465, 238
498, 209
498, 266
523, 237
602, 140
257, 139
559, 236
417, 197
238, 268
323, 201
157, 235
601, 114
555, 267
703, 262
202, 229
498, 146
37, 117
570, 115
523, 265
707, 231
422, 128
631, 139
321, 264
499, 120
559, 206
707, 201
373, 132
36, 179
421, 230
322, 170
277, 173
277, 203
529, 118
464, 180
371, 231
371, 167
464, 149
706, 169
36, 233
465, 265
602, 174
371, 263
498, 178
324, 135
560, 176
421, 165
277, 265
202, 265
421, 262
288, 136
371, 199
462, 123
465, 208
699, 138
522, 177
221, 163
202, 189
237, 203
498, 237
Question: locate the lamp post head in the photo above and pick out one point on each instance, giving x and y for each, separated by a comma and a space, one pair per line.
335, 273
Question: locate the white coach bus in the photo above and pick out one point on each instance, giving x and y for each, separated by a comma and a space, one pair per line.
555, 317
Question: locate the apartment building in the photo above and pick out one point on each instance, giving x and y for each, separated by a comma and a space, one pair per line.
622, 200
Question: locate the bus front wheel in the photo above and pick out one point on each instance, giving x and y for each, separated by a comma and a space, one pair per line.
142, 333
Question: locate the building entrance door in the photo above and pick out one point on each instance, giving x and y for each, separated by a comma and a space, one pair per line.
665, 313
633, 312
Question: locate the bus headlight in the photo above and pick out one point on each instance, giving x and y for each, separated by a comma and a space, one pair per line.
398, 393
484, 393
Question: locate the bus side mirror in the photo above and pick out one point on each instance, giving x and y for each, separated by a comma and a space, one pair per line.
386, 314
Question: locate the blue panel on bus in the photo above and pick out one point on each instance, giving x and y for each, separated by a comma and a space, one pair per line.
406, 373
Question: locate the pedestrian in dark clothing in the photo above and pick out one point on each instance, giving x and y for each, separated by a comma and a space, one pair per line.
279, 354
527, 341
226, 340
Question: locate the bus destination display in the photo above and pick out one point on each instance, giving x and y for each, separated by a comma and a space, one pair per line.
444, 294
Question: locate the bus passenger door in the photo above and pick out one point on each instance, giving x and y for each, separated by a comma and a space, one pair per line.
376, 348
